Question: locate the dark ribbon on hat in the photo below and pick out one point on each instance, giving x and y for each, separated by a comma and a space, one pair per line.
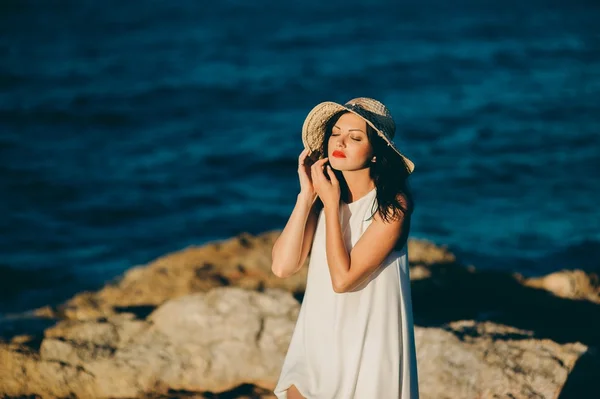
372, 117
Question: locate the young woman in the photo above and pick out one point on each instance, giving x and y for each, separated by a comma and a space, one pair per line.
354, 337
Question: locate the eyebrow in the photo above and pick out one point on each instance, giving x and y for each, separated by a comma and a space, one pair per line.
350, 130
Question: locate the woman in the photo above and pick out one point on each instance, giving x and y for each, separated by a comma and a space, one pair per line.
354, 337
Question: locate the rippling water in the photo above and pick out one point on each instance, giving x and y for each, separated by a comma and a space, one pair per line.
129, 132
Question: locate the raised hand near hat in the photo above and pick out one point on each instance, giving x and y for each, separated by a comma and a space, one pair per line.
304, 174
326, 184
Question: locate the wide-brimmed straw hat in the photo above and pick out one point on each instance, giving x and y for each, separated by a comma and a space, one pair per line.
372, 111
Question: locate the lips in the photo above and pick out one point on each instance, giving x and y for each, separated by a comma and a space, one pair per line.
338, 154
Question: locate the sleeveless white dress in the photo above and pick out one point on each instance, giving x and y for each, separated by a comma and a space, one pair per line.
354, 345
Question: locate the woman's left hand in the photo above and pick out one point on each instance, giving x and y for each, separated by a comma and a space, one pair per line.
327, 189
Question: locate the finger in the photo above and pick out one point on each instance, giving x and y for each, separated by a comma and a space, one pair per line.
326, 172
317, 172
314, 166
317, 167
332, 175
320, 165
314, 170
302, 156
321, 161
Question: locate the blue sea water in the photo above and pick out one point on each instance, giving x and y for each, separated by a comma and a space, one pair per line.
129, 130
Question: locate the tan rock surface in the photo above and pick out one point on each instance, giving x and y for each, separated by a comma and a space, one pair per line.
243, 261
573, 284
487, 360
228, 337
214, 341
211, 318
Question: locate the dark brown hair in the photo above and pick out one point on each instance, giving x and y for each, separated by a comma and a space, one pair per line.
389, 172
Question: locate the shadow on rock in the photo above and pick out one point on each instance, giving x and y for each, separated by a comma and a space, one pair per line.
140, 311
246, 391
453, 292
583, 379
28, 331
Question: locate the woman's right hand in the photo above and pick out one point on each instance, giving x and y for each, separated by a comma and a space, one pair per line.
306, 184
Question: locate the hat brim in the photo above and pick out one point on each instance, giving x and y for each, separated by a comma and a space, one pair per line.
313, 129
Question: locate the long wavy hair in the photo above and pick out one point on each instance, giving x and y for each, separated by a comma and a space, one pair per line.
389, 172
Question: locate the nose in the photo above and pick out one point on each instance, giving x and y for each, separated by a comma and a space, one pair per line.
340, 141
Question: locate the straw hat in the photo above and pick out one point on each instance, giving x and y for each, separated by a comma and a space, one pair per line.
372, 111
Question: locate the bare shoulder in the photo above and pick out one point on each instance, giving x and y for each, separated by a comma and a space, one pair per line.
396, 227
399, 216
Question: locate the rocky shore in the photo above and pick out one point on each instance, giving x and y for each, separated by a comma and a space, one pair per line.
214, 322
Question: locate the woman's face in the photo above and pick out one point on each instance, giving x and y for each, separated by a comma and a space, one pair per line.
348, 147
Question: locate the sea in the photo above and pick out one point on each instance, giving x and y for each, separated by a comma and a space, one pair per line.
129, 130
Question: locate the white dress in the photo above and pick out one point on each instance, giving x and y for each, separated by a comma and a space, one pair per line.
354, 345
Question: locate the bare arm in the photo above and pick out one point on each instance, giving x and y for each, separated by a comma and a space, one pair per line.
349, 269
292, 246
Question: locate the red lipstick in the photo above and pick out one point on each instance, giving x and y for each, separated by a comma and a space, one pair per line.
338, 154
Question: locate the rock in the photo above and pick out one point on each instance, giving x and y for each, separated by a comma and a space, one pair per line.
252, 328
22, 373
422, 252
572, 284
243, 261
214, 319
78, 343
213, 341
228, 337
487, 360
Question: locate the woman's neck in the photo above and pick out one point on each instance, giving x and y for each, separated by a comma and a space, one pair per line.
358, 184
